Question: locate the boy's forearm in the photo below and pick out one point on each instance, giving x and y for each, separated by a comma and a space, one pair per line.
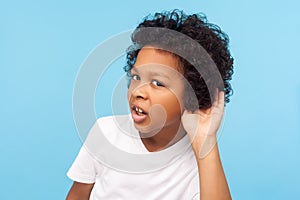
213, 184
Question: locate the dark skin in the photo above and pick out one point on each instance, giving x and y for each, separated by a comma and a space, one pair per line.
80, 191
213, 183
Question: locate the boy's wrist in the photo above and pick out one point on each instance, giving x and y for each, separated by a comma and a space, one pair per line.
203, 144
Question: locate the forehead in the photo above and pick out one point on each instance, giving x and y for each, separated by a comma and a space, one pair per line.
151, 56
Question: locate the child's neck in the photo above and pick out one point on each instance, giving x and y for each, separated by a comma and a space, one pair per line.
164, 138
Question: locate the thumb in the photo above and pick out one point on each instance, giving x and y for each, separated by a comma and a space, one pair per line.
190, 122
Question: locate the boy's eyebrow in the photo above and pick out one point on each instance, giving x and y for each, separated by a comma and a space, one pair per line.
158, 74
153, 73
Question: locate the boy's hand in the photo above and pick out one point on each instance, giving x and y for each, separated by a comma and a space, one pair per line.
202, 125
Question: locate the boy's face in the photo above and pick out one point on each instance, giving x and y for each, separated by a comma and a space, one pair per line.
155, 94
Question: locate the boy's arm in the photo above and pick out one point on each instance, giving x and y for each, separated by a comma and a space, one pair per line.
213, 184
80, 191
202, 127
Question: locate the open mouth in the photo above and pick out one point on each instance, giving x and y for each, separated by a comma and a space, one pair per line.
139, 111
138, 114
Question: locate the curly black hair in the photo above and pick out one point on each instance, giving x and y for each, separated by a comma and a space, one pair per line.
209, 36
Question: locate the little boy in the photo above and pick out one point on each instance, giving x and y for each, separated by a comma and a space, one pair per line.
172, 103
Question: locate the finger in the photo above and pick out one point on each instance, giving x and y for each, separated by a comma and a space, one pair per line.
186, 116
221, 98
197, 112
216, 98
190, 121
186, 112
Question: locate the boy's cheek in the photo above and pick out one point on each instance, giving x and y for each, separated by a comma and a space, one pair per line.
129, 91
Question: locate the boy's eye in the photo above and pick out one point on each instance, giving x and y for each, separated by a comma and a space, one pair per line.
136, 77
157, 83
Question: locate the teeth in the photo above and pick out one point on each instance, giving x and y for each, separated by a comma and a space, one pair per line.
138, 110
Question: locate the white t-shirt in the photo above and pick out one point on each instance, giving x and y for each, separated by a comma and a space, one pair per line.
110, 159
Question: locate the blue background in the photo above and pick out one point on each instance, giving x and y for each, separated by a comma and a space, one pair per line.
43, 44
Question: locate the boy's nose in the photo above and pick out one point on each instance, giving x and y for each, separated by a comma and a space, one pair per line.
141, 92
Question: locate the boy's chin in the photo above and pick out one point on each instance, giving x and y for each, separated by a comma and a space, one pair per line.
148, 131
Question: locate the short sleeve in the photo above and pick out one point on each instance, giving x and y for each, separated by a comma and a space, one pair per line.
83, 169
